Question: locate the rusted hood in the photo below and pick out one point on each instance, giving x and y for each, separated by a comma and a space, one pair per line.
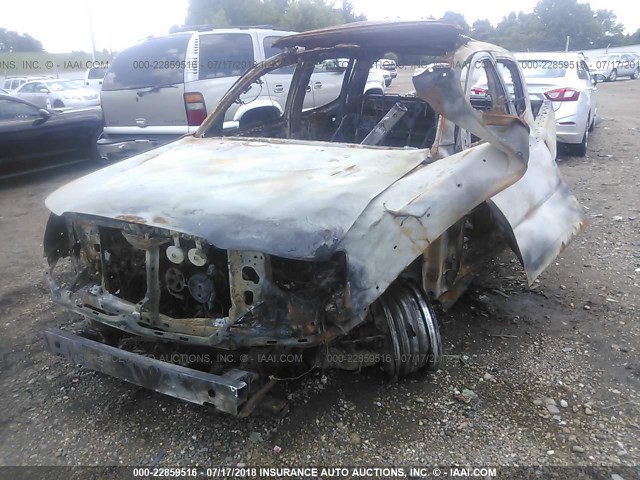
289, 198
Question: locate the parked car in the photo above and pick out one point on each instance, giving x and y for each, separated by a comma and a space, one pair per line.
94, 77
33, 138
565, 79
377, 81
14, 82
145, 106
57, 94
316, 238
611, 66
389, 65
78, 82
386, 75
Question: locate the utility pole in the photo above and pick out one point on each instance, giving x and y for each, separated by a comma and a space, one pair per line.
89, 18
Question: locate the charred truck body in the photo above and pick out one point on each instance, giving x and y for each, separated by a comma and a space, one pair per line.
310, 231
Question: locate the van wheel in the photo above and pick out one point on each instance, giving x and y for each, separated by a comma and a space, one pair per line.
580, 149
259, 115
58, 104
612, 76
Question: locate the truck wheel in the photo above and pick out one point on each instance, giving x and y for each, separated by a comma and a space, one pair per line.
413, 336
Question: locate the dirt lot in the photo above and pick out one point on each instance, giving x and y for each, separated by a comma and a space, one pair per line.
573, 337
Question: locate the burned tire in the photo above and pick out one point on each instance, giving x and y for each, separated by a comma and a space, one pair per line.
413, 341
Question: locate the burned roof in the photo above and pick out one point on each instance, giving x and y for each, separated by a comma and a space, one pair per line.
427, 36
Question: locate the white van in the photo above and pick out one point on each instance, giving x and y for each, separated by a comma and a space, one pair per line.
93, 78
164, 87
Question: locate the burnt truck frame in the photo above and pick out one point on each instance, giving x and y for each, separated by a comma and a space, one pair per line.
320, 232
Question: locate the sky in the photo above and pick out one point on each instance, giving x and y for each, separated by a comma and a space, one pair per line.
120, 23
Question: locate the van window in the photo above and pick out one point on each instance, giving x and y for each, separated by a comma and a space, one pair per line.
225, 55
153, 63
97, 73
270, 51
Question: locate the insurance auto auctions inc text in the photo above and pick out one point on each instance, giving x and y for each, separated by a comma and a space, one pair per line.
374, 472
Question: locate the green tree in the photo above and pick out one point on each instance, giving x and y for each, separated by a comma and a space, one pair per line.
483, 30
11, 41
567, 18
296, 15
456, 19
349, 15
391, 56
519, 32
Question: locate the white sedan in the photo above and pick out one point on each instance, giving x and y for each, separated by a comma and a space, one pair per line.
564, 78
57, 94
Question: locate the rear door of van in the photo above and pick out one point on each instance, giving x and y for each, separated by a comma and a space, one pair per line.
143, 90
223, 56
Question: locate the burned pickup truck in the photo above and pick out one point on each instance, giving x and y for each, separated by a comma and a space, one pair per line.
323, 232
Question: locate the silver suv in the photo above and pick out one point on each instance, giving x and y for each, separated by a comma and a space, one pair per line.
15, 82
164, 87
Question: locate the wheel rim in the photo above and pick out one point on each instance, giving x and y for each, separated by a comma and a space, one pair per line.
636, 73
613, 75
413, 341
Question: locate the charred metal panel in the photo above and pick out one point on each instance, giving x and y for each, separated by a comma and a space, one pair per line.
398, 225
293, 199
441, 88
227, 393
249, 279
434, 37
541, 212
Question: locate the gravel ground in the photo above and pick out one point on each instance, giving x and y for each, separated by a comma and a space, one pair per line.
555, 368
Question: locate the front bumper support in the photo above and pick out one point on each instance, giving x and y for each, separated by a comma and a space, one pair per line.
226, 393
